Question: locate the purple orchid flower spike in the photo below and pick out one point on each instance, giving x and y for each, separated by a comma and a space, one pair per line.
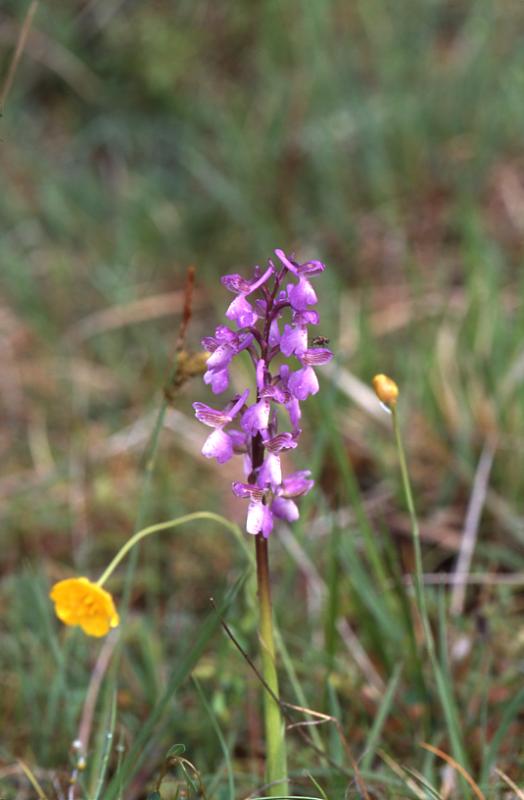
272, 325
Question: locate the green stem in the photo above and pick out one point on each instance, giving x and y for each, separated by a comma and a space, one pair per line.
415, 531
162, 526
444, 692
276, 762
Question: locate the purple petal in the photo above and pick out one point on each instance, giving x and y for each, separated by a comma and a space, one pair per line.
209, 343
259, 519
237, 404
302, 294
294, 340
296, 484
316, 355
219, 380
285, 509
276, 393
239, 439
270, 473
210, 416
267, 522
247, 490
260, 306
286, 261
274, 333
303, 382
256, 284
256, 417
293, 409
311, 268
306, 317
241, 311
243, 341
284, 373
218, 445
224, 334
282, 441
260, 374
236, 283
221, 357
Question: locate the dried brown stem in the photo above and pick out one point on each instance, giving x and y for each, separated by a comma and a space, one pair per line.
17, 55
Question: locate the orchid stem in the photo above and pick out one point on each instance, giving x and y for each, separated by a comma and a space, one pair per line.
276, 761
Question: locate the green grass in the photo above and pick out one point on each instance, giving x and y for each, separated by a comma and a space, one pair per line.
386, 139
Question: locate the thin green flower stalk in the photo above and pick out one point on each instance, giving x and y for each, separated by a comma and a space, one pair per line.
80, 601
387, 392
415, 532
162, 526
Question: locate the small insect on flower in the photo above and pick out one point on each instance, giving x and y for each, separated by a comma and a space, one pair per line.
386, 390
78, 601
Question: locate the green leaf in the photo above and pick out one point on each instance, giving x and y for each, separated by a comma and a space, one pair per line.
175, 751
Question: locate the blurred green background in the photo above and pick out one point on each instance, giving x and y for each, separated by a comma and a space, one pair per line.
139, 138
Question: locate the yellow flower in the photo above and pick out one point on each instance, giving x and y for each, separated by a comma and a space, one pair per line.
386, 390
78, 601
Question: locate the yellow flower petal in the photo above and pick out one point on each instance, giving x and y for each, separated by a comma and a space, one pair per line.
78, 601
386, 390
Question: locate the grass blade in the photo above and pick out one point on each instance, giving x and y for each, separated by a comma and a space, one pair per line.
180, 673
380, 719
511, 710
458, 767
220, 737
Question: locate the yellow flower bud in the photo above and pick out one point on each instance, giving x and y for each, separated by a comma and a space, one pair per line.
78, 601
386, 390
